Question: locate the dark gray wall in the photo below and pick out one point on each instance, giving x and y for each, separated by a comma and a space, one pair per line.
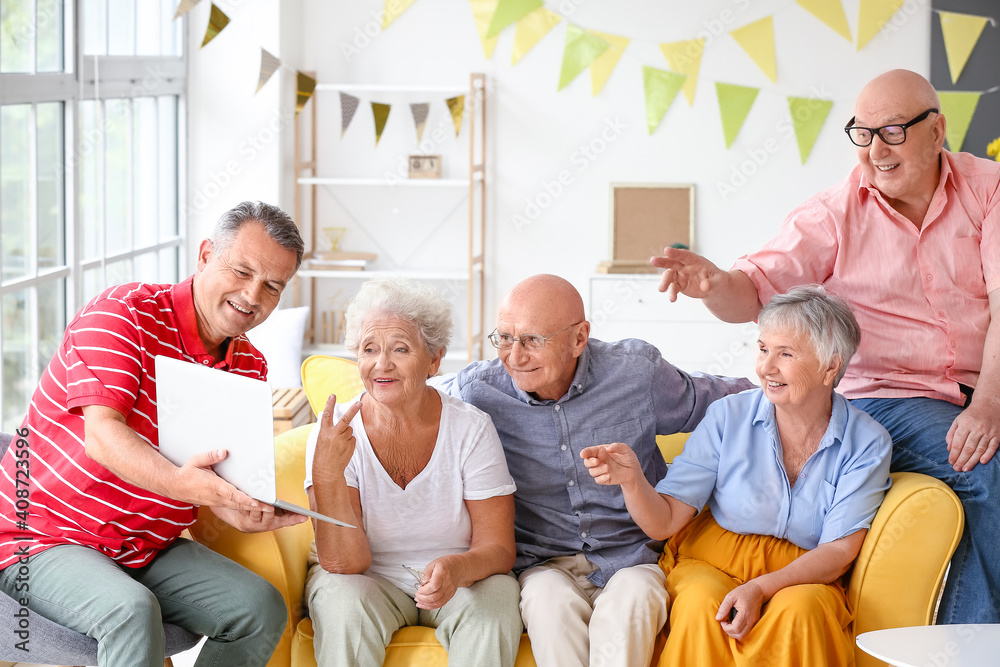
981, 72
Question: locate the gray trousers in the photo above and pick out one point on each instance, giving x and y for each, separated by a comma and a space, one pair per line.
354, 616
123, 608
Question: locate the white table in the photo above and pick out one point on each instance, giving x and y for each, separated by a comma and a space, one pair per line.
935, 645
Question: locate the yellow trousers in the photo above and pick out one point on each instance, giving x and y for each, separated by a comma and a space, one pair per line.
809, 624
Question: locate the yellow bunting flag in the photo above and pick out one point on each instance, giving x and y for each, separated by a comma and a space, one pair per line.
381, 113
960, 32
582, 48
530, 30
830, 12
757, 39
184, 7
269, 64
304, 87
958, 108
685, 58
393, 10
482, 13
661, 89
808, 116
509, 11
734, 105
605, 63
872, 15
217, 22
456, 105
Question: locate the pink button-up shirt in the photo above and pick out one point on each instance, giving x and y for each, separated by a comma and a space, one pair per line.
920, 295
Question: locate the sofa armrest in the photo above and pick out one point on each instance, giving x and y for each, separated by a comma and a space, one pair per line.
904, 558
278, 556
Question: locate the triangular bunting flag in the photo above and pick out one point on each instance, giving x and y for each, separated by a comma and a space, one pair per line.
957, 107
961, 32
304, 87
184, 7
530, 30
605, 63
757, 39
268, 66
685, 58
661, 89
419, 112
456, 105
348, 105
509, 11
482, 13
872, 15
808, 116
830, 12
393, 10
217, 22
582, 48
381, 113
734, 105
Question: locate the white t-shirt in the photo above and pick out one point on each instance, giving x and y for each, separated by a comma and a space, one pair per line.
428, 518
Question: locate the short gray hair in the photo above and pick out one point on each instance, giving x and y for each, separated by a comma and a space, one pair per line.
415, 302
278, 225
825, 318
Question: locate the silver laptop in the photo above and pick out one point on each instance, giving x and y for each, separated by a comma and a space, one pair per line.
200, 408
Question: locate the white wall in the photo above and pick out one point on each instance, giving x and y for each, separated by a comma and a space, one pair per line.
536, 132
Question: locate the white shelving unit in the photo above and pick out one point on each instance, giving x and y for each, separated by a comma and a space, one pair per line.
318, 340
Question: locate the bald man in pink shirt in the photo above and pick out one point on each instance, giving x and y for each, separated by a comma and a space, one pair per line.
911, 239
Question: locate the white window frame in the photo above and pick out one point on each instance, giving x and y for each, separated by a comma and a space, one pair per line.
90, 78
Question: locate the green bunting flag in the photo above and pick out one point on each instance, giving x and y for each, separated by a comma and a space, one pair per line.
808, 116
661, 89
734, 105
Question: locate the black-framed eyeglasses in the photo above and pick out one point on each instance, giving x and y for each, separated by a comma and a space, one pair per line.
890, 134
528, 341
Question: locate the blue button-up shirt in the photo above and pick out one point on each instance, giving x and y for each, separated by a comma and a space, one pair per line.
621, 392
733, 462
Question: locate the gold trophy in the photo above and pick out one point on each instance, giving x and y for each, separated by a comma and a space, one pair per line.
334, 235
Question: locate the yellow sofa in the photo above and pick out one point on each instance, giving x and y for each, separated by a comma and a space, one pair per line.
895, 581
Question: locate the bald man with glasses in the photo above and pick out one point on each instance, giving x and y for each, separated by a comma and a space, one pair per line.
911, 239
591, 591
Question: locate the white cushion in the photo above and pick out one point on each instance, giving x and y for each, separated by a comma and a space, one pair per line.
279, 338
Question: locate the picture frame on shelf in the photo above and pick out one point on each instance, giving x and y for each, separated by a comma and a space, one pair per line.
645, 218
424, 166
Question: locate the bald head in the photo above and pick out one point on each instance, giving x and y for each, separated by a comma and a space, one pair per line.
900, 89
545, 297
549, 307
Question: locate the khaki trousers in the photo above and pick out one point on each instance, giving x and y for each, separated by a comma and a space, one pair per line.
573, 623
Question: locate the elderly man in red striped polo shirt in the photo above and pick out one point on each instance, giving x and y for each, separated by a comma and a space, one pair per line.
105, 511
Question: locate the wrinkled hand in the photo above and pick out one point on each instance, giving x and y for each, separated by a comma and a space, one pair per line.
974, 435
258, 521
748, 600
686, 273
612, 464
439, 584
198, 484
335, 444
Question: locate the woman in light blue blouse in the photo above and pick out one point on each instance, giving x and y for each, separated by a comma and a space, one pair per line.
790, 476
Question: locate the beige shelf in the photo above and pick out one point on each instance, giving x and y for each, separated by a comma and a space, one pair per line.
473, 272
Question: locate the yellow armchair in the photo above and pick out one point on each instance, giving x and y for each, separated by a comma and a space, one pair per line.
894, 583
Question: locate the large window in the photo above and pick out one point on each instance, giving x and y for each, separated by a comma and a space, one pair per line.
91, 111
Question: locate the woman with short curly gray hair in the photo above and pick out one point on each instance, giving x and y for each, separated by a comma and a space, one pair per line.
424, 478
408, 300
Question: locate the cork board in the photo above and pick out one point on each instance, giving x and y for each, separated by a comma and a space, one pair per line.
646, 217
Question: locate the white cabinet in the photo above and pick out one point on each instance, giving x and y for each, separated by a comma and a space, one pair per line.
451, 258
686, 333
